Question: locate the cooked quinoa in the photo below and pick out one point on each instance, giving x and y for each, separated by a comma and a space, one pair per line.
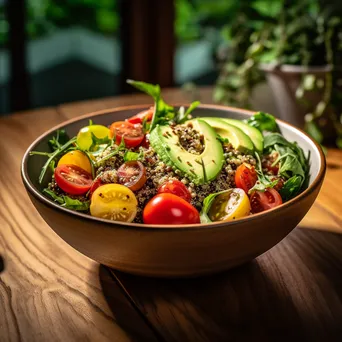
158, 172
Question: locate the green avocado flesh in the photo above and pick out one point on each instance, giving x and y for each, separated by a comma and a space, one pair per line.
167, 146
235, 136
254, 134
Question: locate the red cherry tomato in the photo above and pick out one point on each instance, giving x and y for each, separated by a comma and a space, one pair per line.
72, 179
133, 134
96, 184
177, 188
169, 209
261, 201
139, 118
245, 177
132, 174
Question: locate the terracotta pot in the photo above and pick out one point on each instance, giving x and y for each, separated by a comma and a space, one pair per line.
284, 81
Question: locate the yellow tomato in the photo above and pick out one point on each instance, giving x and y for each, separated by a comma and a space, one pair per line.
77, 158
114, 202
229, 205
84, 136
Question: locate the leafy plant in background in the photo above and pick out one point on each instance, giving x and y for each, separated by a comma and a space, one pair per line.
195, 19
286, 32
44, 16
3, 27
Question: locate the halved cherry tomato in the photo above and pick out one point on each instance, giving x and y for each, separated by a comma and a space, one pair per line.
229, 205
114, 202
169, 209
261, 201
96, 184
140, 117
245, 177
177, 188
72, 179
132, 174
77, 158
133, 134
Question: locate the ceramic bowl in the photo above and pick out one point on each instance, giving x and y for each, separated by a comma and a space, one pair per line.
166, 250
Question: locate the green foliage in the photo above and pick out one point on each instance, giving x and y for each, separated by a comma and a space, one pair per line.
279, 32
195, 17
163, 114
68, 202
263, 122
47, 15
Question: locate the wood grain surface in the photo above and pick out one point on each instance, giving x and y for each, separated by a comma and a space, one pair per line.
50, 292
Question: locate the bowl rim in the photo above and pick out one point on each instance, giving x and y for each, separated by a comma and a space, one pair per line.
141, 226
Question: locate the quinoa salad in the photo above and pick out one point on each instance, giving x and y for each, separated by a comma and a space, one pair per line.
164, 165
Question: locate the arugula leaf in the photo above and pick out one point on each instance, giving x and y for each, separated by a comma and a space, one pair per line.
264, 181
148, 88
68, 202
263, 122
130, 156
182, 115
290, 164
54, 196
208, 201
290, 156
52, 156
163, 112
60, 139
291, 188
75, 204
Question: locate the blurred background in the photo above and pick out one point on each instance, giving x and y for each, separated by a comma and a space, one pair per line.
279, 56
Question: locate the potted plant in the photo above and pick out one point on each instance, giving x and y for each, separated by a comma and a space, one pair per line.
297, 47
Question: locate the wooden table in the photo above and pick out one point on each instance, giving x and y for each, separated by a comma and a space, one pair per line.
50, 292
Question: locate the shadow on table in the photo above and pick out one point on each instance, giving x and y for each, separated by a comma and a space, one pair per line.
2, 264
292, 292
124, 312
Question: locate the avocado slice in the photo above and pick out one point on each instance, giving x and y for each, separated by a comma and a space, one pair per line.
235, 136
254, 134
167, 146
